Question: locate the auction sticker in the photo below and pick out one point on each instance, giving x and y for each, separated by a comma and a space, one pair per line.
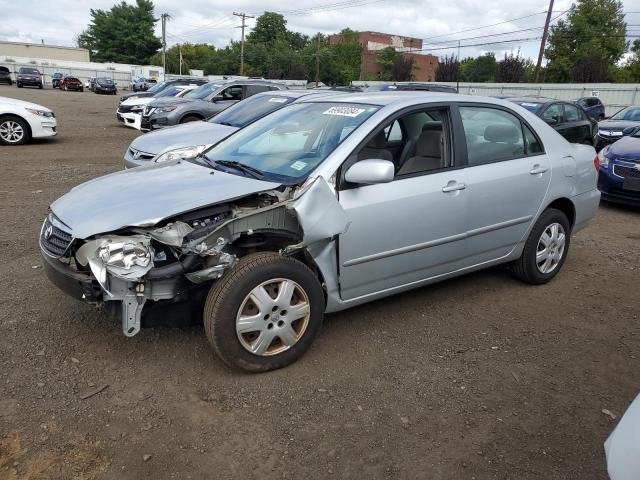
298, 165
277, 100
344, 111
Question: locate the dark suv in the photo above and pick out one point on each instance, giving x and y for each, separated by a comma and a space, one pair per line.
5, 75
30, 77
593, 106
105, 85
203, 102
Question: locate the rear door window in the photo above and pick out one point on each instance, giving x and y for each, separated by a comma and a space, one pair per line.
253, 89
554, 113
571, 113
232, 93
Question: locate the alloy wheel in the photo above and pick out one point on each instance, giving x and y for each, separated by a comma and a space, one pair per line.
273, 317
550, 248
11, 131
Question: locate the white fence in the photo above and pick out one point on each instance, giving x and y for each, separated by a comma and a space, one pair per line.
614, 95
83, 74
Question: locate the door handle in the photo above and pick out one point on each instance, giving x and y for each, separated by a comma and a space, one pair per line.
453, 186
538, 170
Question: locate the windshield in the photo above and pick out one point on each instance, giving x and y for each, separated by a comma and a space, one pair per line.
290, 143
531, 106
202, 91
629, 113
104, 81
249, 110
157, 88
29, 71
170, 92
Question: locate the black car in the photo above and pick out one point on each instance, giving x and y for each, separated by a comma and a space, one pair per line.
160, 87
413, 87
622, 124
29, 77
5, 75
55, 79
568, 119
105, 85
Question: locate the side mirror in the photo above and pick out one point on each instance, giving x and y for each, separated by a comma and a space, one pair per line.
217, 98
552, 121
369, 172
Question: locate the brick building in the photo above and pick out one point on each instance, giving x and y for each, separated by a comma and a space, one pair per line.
425, 66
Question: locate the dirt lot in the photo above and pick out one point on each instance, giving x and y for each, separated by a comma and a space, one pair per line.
480, 377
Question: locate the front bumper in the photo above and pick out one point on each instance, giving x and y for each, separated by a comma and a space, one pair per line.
617, 187
33, 82
81, 286
98, 89
153, 122
130, 119
602, 141
43, 127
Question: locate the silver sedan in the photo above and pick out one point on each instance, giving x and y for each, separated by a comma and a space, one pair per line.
323, 205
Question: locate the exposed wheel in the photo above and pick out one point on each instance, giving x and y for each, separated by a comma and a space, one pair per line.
264, 313
190, 118
14, 131
546, 248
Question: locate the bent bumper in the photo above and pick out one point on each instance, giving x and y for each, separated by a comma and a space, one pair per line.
78, 285
132, 120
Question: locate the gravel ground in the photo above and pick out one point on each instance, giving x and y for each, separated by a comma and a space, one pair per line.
480, 377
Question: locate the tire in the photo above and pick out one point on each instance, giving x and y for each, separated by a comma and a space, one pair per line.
40, 86
527, 267
10, 122
190, 118
229, 297
19, 85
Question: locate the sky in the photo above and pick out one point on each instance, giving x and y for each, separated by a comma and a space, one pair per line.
207, 21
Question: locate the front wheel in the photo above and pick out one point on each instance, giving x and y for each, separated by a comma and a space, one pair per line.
264, 313
545, 250
14, 131
190, 118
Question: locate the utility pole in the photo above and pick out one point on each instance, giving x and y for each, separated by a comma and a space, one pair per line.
164, 17
244, 17
458, 69
180, 47
543, 43
318, 60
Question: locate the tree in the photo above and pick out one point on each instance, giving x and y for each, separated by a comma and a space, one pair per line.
123, 34
511, 69
403, 69
592, 36
394, 66
194, 56
448, 69
480, 69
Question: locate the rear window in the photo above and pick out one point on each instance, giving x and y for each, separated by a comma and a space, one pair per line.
4, 70
29, 71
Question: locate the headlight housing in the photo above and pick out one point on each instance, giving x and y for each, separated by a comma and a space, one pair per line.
603, 159
40, 113
182, 153
165, 109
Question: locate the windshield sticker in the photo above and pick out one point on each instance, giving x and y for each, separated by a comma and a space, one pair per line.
344, 111
277, 100
298, 165
525, 104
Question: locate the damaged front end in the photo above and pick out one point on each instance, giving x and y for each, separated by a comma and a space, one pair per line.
142, 269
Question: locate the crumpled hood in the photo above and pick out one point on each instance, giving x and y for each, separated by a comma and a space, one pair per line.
130, 102
136, 94
186, 135
144, 196
167, 101
627, 147
617, 124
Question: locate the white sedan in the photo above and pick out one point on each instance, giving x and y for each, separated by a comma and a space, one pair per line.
129, 112
21, 121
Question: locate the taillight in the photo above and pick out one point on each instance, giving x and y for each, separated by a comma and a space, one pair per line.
596, 163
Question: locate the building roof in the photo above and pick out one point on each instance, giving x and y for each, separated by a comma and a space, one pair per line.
42, 45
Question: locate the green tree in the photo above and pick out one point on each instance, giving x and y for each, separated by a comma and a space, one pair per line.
480, 69
395, 67
511, 69
124, 34
584, 46
194, 56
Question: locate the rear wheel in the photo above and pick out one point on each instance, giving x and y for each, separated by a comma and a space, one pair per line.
14, 131
546, 248
190, 118
264, 313
40, 86
19, 85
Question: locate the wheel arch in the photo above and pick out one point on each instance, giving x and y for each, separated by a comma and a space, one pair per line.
15, 115
566, 206
191, 114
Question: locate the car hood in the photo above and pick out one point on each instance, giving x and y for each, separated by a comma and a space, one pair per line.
136, 101
617, 124
627, 147
167, 101
22, 103
186, 135
144, 196
136, 94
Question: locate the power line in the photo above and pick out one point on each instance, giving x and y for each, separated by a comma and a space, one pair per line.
244, 17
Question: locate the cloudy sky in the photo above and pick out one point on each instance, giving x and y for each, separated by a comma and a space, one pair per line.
439, 23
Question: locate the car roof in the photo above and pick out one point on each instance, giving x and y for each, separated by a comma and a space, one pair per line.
532, 99
408, 96
297, 93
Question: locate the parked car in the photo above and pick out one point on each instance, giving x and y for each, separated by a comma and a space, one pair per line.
70, 83
622, 448
105, 85
568, 119
159, 87
593, 106
21, 121
322, 205
5, 76
411, 86
189, 140
91, 83
30, 77
203, 102
55, 79
624, 123
138, 84
619, 179
129, 112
